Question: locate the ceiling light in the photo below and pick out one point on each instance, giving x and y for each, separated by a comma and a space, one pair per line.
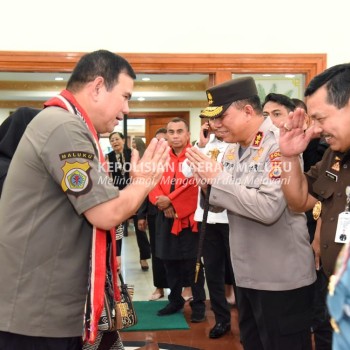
146, 79
140, 99
289, 75
58, 78
266, 75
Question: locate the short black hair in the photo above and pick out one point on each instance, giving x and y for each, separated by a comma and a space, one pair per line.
299, 103
101, 63
337, 82
179, 120
160, 131
281, 100
253, 101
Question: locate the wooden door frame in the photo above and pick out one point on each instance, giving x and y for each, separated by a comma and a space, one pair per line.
147, 115
219, 66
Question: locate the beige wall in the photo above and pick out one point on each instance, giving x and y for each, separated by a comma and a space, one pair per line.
183, 26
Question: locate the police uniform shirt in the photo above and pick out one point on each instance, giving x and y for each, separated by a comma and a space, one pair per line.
214, 148
270, 247
45, 240
327, 182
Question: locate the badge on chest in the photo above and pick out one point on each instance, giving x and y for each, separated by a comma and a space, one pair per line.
342, 235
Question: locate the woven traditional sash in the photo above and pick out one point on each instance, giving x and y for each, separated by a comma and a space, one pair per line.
99, 254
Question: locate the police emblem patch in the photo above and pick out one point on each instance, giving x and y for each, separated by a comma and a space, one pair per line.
276, 170
76, 178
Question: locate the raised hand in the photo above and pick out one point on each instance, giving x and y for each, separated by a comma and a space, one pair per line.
204, 135
149, 169
293, 138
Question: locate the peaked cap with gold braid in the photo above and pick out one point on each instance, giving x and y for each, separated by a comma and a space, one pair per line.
221, 96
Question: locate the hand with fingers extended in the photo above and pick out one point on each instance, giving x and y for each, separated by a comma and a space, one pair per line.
149, 169
205, 168
293, 138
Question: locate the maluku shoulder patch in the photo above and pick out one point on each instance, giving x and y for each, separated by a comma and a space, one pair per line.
76, 179
76, 154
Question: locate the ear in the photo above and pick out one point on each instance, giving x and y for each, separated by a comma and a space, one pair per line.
96, 87
249, 111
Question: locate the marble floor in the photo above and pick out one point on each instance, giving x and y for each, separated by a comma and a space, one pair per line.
196, 336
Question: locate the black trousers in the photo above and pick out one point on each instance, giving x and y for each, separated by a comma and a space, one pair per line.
142, 241
218, 268
11, 341
321, 326
178, 271
275, 320
158, 269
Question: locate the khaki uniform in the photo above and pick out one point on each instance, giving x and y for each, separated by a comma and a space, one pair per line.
45, 240
269, 244
327, 182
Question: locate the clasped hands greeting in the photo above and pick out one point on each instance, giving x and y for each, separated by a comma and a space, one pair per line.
204, 169
149, 169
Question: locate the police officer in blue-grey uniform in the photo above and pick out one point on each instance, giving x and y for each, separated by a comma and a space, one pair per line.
270, 250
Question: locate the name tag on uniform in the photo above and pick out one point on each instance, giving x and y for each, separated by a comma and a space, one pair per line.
332, 176
342, 235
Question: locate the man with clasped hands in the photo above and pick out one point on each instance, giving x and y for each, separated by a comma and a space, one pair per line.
270, 251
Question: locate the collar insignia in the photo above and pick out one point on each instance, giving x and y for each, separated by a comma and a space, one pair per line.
230, 155
258, 155
258, 139
336, 165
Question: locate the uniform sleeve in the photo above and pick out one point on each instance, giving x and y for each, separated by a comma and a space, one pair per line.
314, 173
72, 160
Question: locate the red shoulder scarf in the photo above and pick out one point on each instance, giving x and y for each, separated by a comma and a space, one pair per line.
95, 298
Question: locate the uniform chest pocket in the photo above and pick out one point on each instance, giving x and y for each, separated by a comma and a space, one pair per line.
253, 180
324, 187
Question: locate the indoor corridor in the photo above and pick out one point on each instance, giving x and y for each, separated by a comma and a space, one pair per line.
194, 338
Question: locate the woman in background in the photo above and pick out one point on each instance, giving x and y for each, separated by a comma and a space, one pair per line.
141, 235
118, 164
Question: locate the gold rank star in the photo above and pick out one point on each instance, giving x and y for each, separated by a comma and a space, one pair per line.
257, 139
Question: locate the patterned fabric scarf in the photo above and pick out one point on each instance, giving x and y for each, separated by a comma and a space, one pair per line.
99, 254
